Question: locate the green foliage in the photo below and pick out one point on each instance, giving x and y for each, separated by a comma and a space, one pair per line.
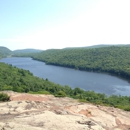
19, 80
82, 100
122, 102
113, 60
60, 94
5, 87
4, 97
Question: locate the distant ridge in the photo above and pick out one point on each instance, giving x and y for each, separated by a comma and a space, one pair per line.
27, 51
4, 51
98, 46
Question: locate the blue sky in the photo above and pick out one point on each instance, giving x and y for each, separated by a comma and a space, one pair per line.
45, 24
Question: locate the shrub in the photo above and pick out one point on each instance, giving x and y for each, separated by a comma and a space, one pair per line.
60, 94
4, 97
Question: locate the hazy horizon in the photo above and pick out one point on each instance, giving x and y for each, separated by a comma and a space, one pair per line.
59, 24
69, 47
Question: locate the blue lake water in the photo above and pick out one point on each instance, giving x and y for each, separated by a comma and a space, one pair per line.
97, 82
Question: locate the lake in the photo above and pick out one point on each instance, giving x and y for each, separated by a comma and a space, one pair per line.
97, 82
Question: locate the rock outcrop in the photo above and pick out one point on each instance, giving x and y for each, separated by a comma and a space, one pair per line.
46, 112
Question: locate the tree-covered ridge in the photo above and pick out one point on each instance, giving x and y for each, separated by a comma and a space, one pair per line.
19, 80
24, 51
114, 60
4, 52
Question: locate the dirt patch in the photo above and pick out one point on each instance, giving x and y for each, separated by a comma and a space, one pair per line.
28, 97
86, 113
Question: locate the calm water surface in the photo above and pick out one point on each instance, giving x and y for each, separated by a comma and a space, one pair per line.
102, 83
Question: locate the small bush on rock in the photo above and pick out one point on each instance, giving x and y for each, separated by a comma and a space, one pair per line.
4, 97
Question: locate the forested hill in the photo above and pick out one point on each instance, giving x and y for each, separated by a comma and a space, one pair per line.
114, 60
26, 51
4, 52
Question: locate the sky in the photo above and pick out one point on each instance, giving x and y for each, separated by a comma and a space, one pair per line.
47, 24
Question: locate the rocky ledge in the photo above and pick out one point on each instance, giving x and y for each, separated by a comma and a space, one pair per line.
46, 112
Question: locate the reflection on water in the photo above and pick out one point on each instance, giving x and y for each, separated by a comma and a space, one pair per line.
122, 90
